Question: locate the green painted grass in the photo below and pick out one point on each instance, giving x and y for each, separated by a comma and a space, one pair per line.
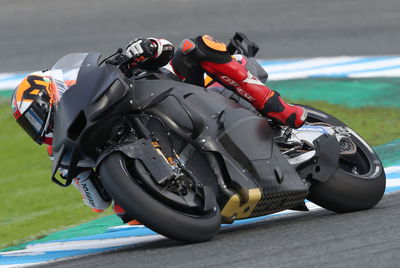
374, 92
31, 206
389, 153
97, 226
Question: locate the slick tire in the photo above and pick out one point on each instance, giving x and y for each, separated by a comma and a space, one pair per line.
346, 191
174, 224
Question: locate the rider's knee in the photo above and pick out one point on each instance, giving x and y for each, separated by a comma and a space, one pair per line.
192, 52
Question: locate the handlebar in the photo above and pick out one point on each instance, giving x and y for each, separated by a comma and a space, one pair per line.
123, 62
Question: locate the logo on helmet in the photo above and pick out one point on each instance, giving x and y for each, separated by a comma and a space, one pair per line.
32, 88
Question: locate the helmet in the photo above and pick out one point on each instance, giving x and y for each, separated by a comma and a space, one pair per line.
33, 106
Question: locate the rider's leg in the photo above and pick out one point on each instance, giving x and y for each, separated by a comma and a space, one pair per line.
89, 185
212, 56
95, 196
93, 193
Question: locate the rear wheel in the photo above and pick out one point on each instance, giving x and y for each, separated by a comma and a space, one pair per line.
178, 223
358, 183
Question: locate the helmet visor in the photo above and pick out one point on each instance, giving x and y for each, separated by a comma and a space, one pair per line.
35, 120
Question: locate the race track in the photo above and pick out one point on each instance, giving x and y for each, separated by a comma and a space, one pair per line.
312, 239
34, 34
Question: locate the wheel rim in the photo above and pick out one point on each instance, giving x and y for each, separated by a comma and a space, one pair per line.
190, 204
364, 163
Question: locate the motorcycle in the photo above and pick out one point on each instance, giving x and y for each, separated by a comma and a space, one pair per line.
183, 159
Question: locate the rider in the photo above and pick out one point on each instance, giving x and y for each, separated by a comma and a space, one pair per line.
35, 97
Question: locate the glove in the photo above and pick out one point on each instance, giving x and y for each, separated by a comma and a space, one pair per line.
141, 49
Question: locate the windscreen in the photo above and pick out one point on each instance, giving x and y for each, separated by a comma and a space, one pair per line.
65, 72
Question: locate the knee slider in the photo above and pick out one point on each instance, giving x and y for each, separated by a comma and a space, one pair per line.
205, 48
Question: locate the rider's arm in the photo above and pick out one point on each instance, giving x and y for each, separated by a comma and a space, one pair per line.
150, 53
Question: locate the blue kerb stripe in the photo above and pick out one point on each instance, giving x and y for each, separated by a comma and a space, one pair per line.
267, 63
363, 60
48, 256
395, 175
138, 231
119, 233
13, 77
392, 189
345, 74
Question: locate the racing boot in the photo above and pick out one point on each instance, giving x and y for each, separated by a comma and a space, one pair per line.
267, 101
93, 193
120, 212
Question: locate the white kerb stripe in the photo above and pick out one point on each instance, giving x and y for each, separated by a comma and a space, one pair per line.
395, 72
310, 63
348, 68
392, 182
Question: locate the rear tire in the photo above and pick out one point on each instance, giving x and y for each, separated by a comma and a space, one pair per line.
345, 190
138, 203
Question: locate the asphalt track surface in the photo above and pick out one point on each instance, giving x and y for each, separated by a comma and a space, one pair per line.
35, 33
312, 239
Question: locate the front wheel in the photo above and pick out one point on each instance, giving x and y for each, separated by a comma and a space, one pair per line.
171, 222
359, 181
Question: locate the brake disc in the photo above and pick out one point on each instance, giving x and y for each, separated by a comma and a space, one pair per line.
347, 146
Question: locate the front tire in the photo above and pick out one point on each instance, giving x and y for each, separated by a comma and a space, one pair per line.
358, 183
159, 217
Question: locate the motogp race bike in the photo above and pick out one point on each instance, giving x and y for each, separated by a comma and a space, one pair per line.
183, 159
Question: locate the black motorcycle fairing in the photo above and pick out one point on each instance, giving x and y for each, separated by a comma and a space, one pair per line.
142, 150
86, 113
326, 162
207, 106
282, 187
250, 163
